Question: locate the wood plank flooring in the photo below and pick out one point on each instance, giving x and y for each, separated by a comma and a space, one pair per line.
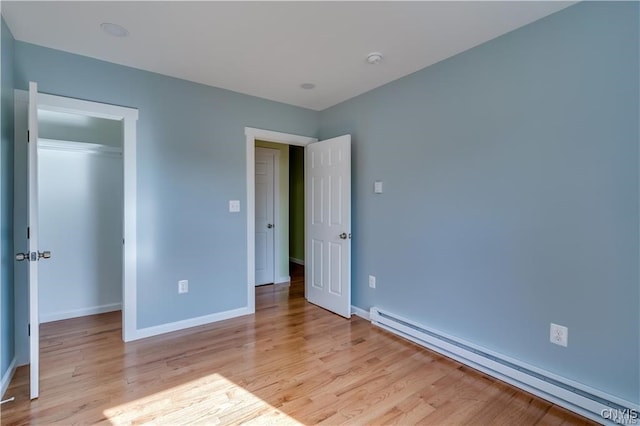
290, 363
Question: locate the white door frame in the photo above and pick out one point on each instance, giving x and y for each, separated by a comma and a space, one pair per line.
129, 117
252, 135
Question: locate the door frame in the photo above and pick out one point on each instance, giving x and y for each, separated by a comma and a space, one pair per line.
129, 117
276, 210
253, 134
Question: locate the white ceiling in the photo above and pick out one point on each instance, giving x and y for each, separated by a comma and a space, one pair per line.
268, 49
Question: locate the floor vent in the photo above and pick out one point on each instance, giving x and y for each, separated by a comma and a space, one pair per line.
589, 402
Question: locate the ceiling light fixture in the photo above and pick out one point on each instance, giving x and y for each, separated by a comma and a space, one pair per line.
114, 29
374, 58
308, 86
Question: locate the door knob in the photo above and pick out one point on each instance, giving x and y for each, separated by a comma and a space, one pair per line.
270, 225
343, 236
22, 256
44, 255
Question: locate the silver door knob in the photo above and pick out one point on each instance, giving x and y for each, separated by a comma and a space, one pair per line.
22, 256
343, 236
270, 225
44, 255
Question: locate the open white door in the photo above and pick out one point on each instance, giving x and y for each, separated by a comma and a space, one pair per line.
33, 256
328, 224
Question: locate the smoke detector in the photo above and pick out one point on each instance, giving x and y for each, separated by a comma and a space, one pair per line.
114, 29
374, 58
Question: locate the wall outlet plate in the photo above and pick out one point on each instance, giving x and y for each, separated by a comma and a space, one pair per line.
559, 335
183, 286
372, 281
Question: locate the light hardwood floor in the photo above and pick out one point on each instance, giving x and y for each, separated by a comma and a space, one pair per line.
291, 363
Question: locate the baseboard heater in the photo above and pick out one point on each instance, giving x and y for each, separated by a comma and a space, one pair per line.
589, 402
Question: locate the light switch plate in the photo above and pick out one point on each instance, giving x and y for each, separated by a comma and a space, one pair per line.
377, 187
234, 206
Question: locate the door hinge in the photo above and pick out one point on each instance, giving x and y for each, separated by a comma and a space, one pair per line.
28, 136
29, 329
28, 232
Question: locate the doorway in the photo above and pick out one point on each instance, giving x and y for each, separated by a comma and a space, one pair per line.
272, 140
279, 211
26, 223
80, 214
327, 219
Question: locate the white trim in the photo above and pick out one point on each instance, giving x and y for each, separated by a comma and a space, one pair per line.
296, 261
277, 137
6, 378
97, 109
497, 365
276, 216
79, 147
129, 226
251, 135
128, 116
360, 312
191, 322
78, 106
282, 280
75, 313
251, 223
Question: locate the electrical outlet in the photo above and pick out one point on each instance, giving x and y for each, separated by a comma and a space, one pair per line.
559, 335
183, 286
372, 281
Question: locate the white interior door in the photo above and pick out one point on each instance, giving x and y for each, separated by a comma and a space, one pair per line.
32, 233
328, 224
265, 215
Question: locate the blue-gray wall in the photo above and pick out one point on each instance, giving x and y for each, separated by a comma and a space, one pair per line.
511, 194
7, 348
191, 162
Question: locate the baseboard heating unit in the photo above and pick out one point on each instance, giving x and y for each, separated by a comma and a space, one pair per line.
591, 403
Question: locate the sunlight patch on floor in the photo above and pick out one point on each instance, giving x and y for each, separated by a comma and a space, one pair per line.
212, 400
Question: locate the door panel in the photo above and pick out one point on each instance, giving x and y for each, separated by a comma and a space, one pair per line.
328, 227
316, 263
336, 212
335, 268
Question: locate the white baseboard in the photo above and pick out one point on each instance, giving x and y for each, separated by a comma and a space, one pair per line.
296, 261
360, 312
93, 310
188, 323
283, 280
6, 378
582, 399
